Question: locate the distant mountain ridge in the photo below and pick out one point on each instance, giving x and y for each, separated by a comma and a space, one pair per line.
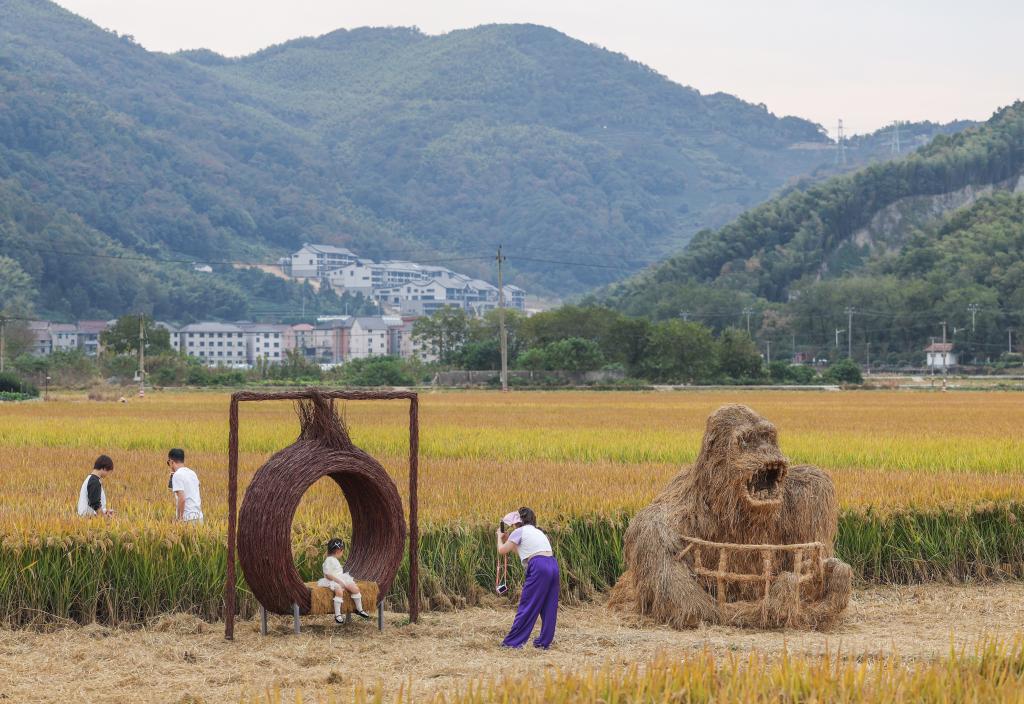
388, 141
845, 225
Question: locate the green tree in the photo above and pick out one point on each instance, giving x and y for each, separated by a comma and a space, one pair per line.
444, 332
738, 357
574, 354
16, 290
679, 351
123, 336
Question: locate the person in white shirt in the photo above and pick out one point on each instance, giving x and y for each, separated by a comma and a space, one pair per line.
185, 485
92, 499
339, 581
540, 589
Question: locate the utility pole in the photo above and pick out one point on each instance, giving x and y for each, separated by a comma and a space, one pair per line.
685, 315
840, 145
838, 330
868, 363
502, 337
973, 308
142, 355
894, 145
3, 341
849, 331
945, 357
747, 311
1009, 342
769, 343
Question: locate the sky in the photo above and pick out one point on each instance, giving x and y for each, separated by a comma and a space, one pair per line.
868, 63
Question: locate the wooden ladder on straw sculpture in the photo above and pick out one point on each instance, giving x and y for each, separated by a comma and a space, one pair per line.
806, 570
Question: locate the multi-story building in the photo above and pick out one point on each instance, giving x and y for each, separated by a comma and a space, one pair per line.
403, 287
369, 338
221, 344
88, 334
64, 336
402, 342
266, 342
318, 260
331, 339
42, 341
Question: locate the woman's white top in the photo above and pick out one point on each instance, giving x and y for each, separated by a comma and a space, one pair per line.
531, 540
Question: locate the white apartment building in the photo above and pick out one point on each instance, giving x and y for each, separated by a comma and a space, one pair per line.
354, 278
267, 342
318, 260
221, 344
368, 338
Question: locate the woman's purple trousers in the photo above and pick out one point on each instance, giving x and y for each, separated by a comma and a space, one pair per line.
539, 598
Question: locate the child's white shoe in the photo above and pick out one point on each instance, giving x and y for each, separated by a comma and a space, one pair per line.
339, 619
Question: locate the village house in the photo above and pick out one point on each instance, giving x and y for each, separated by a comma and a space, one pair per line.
940, 355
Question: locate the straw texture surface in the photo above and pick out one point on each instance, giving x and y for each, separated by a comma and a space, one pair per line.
268, 509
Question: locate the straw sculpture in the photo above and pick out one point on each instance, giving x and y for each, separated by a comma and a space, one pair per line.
740, 538
323, 449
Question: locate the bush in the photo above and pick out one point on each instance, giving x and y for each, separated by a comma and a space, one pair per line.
12, 384
783, 372
845, 371
375, 371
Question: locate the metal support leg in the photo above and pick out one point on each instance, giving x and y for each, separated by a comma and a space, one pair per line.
380, 615
295, 614
263, 620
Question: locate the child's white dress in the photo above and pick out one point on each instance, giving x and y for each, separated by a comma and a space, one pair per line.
333, 568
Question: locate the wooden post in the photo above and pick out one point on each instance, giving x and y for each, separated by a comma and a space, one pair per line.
798, 567
414, 529
230, 587
723, 563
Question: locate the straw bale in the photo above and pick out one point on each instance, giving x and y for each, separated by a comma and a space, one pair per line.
322, 599
740, 491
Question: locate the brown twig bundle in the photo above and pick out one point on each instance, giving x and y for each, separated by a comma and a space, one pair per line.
268, 509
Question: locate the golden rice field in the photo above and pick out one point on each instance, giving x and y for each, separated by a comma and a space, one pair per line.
565, 453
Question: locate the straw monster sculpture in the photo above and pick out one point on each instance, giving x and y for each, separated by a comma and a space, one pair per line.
741, 491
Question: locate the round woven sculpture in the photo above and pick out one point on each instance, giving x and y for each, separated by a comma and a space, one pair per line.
323, 449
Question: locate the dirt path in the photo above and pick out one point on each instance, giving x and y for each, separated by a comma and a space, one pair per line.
181, 657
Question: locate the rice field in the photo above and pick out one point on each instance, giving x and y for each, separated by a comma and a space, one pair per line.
929, 485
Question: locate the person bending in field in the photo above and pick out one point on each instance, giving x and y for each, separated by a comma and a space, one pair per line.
540, 590
92, 500
185, 485
339, 581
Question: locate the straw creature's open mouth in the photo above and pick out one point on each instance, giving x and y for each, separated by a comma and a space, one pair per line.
765, 484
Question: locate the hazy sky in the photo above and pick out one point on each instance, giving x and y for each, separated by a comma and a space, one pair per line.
868, 62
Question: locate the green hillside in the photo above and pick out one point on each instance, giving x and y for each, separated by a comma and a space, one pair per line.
907, 244
386, 140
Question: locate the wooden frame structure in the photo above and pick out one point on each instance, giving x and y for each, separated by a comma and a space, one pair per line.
230, 586
806, 570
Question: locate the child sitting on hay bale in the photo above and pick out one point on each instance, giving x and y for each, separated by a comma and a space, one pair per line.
339, 581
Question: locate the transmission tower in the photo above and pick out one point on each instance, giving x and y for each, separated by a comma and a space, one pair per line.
840, 145
894, 144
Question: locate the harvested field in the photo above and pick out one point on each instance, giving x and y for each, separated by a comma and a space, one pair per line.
177, 657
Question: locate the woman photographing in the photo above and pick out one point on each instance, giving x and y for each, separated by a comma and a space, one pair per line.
540, 589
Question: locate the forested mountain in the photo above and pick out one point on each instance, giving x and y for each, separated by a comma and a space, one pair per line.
385, 140
906, 244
